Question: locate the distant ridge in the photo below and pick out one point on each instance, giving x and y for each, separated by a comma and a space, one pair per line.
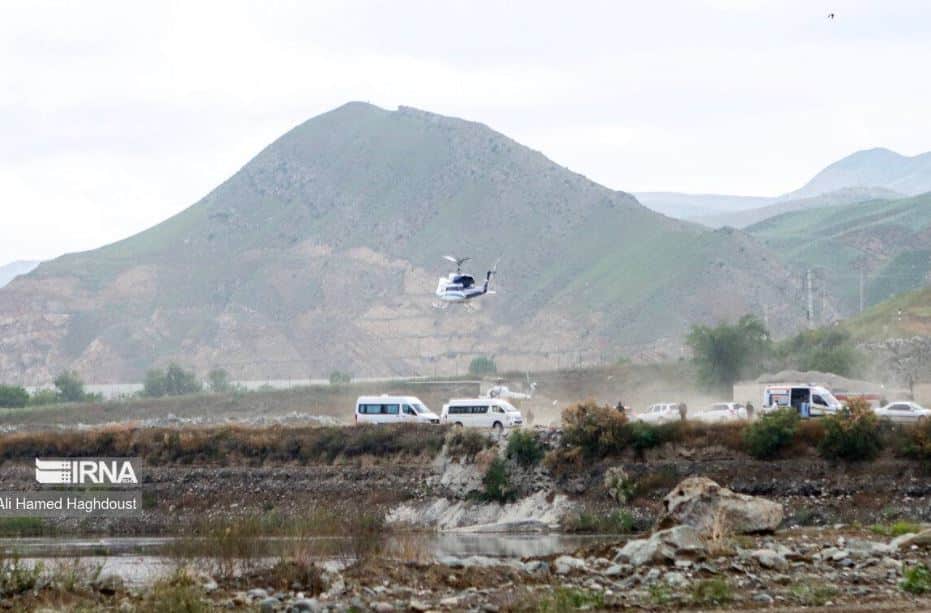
10, 271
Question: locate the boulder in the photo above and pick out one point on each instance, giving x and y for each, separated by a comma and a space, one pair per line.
665, 546
713, 510
921, 539
767, 558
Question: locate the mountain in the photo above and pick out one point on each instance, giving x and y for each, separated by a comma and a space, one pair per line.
865, 175
871, 168
10, 271
323, 252
697, 206
890, 240
748, 217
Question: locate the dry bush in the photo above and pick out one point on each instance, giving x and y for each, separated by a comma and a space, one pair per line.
228, 444
597, 430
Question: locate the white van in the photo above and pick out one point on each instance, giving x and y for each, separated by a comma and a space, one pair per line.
387, 409
482, 413
815, 399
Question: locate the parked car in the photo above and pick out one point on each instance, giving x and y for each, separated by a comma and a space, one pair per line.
723, 412
903, 412
494, 413
660, 413
387, 409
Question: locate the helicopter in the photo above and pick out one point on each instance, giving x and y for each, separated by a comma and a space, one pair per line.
459, 288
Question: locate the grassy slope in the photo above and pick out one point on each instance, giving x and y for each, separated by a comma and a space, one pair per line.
905, 315
890, 235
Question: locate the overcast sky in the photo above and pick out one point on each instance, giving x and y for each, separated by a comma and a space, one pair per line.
115, 115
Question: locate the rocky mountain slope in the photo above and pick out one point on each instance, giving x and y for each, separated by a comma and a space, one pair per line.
323, 252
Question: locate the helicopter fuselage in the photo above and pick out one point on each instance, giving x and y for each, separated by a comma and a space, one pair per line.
458, 288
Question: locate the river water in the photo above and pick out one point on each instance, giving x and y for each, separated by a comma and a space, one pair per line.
141, 560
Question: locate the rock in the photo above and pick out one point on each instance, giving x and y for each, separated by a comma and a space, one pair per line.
767, 558
676, 579
418, 605
535, 567
383, 607
704, 505
616, 570
921, 539
566, 564
257, 593
663, 546
763, 598
452, 562
267, 605
451, 602
617, 483
306, 604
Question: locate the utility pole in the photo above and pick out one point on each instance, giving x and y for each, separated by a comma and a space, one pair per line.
811, 304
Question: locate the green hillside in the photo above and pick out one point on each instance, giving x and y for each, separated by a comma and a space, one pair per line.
323, 251
903, 316
889, 239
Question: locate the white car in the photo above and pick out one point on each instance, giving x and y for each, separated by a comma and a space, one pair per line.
660, 413
722, 412
482, 413
903, 411
387, 409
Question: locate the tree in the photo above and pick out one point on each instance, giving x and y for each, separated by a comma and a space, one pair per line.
219, 380
70, 387
13, 397
825, 350
726, 353
174, 381
481, 365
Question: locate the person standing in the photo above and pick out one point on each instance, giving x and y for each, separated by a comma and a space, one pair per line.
683, 410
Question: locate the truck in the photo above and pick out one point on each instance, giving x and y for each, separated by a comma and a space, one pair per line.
808, 399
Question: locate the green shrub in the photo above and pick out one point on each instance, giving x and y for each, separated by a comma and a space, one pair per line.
496, 483
44, 396
13, 397
896, 529
766, 438
813, 594
219, 380
70, 387
853, 434
712, 592
564, 599
524, 448
616, 522
338, 377
481, 366
174, 381
916, 579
